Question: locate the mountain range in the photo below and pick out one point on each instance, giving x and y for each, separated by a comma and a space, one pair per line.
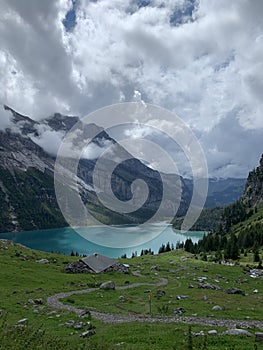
27, 196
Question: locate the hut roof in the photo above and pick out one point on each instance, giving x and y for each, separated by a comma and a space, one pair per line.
98, 263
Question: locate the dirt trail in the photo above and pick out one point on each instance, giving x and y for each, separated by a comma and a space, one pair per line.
54, 301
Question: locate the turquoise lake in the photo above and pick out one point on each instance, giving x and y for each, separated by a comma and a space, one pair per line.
66, 240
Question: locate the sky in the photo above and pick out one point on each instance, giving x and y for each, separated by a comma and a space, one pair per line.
202, 60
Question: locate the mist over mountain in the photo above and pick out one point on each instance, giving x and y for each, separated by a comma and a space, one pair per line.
27, 153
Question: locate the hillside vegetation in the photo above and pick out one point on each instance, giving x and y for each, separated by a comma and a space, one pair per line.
28, 322
239, 228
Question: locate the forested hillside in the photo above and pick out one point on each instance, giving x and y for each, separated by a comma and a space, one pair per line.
240, 225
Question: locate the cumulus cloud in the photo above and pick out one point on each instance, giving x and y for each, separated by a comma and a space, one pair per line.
200, 59
49, 140
95, 150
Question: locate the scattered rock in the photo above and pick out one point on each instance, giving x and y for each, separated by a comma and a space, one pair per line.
88, 333
259, 336
208, 286
1, 312
235, 291
84, 313
43, 261
107, 285
240, 281
255, 291
23, 320
201, 333
179, 311
78, 325
160, 293
182, 297
212, 332
69, 323
237, 331
53, 312
216, 308
256, 273
201, 279
155, 268
204, 297
38, 301
190, 286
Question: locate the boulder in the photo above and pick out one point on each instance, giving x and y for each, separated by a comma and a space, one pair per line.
38, 301
237, 331
107, 285
23, 320
78, 325
235, 291
84, 313
179, 311
216, 308
182, 297
212, 332
160, 293
43, 261
88, 333
259, 336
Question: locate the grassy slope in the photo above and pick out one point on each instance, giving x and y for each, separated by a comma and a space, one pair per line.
22, 278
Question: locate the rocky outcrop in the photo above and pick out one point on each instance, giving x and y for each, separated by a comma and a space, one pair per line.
253, 193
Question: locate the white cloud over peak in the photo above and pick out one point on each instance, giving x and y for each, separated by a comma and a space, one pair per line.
201, 59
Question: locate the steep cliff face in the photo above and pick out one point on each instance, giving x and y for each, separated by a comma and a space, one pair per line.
27, 191
253, 193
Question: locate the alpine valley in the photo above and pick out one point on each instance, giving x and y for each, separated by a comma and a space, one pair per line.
27, 194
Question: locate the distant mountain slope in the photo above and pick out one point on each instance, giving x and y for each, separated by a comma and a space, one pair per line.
222, 192
27, 161
239, 228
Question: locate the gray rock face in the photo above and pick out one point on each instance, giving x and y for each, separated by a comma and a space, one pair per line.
107, 285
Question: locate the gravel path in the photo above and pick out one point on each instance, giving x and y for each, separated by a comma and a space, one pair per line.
54, 302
